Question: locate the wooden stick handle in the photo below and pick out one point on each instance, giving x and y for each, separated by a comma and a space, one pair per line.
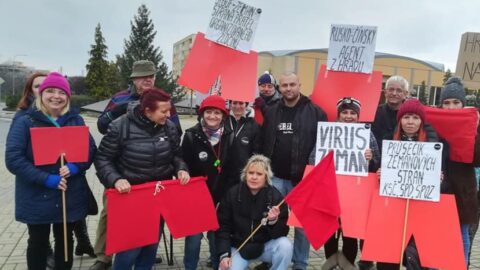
404, 233
64, 209
254, 232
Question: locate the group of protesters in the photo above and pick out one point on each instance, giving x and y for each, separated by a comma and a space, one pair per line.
252, 156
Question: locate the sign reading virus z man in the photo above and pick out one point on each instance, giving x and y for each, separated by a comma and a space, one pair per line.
233, 24
352, 48
349, 142
411, 170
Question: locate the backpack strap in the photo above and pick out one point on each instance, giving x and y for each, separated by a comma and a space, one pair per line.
124, 131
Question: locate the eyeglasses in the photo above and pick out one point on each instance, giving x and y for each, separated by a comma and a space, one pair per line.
397, 90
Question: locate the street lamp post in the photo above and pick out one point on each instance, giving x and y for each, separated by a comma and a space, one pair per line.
14, 71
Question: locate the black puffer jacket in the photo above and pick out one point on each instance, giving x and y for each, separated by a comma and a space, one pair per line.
305, 125
246, 142
200, 157
240, 212
138, 150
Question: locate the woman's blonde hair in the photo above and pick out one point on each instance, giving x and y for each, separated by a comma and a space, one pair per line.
261, 161
40, 106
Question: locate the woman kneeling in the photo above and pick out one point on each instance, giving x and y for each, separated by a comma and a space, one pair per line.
242, 209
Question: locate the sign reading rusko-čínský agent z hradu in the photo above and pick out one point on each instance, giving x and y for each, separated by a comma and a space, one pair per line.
352, 48
233, 24
411, 170
349, 141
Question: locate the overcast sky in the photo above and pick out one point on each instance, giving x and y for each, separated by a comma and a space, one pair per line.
49, 34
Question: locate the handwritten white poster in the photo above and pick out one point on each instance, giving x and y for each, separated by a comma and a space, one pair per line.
233, 24
352, 48
349, 142
411, 170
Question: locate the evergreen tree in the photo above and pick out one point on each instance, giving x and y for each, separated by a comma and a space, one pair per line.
113, 78
140, 46
447, 75
97, 79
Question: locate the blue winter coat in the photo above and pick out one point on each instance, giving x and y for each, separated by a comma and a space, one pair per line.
34, 202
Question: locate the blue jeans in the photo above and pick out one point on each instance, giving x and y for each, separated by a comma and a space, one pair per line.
466, 240
142, 258
192, 250
278, 252
301, 246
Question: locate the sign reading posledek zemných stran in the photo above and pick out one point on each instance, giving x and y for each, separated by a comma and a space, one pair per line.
411, 170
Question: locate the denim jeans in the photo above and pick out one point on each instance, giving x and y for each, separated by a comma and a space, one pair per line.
301, 246
142, 258
192, 250
277, 252
466, 240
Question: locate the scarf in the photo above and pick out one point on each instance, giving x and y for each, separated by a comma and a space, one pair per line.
213, 135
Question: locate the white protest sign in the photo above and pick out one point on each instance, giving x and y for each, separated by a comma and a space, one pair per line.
352, 48
233, 24
411, 170
348, 141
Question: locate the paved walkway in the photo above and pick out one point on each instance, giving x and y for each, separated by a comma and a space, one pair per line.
13, 235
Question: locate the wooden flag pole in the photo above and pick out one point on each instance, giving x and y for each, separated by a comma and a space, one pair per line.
262, 222
404, 233
64, 208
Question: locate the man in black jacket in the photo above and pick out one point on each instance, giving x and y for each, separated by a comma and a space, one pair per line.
396, 91
289, 135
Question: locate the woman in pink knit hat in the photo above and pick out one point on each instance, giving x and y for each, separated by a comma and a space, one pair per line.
38, 196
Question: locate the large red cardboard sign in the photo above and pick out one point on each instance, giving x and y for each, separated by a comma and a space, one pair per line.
334, 85
355, 194
133, 219
434, 225
49, 143
208, 60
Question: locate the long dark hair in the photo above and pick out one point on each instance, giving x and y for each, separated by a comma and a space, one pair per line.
27, 90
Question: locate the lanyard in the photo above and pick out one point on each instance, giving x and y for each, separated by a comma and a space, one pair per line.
238, 131
54, 122
217, 162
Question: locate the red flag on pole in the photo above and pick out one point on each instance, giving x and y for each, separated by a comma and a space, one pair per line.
315, 202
